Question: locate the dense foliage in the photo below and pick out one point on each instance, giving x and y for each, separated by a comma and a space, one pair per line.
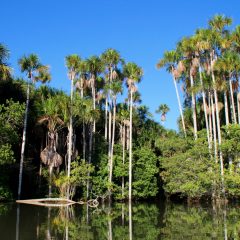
90, 144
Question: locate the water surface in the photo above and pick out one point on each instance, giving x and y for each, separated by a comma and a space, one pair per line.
119, 222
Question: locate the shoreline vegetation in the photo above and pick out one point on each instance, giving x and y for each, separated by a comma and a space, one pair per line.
94, 144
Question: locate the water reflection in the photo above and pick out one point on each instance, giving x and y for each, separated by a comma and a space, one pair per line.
120, 222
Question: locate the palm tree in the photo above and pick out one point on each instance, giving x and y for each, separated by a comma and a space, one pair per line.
169, 61
187, 49
5, 70
163, 109
35, 72
54, 123
133, 75
218, 30
111, 59
72, 62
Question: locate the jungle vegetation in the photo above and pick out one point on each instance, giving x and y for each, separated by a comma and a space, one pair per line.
93, 143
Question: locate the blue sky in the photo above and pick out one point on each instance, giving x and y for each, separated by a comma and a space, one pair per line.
140, 30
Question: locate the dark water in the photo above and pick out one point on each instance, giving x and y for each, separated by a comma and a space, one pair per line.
119, 222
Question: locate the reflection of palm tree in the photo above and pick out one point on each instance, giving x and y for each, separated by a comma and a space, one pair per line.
163, 109
35, 72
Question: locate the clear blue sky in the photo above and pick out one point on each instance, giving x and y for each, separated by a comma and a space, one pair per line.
141, 30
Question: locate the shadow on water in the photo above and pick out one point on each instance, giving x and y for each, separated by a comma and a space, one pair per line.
119, 221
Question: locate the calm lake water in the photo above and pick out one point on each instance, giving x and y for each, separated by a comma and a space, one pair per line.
119, 222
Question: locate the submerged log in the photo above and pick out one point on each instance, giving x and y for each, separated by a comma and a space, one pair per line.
48, 202
57, 202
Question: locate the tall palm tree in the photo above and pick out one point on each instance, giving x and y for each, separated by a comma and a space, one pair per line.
187, 49
5, 70
169, 61
35, 72
217, 31
111, 59
73, 63
133, 75
163, 109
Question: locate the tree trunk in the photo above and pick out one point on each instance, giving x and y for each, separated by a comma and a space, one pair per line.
24, 139
90, 154
205, 108
218, 129
113, 137
180, 106
194, 115
106, 118
130, 148
70, 135
226, 108
232, 101
123, 156
84, 141
214, 130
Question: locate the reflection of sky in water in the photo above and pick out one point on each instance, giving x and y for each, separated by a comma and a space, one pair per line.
121, 221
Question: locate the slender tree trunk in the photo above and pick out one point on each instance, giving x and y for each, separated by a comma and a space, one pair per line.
226, 108
123, 156
109, 145
94, 103
106, 118
70, 136
214, 130
194, 115
90, 154
180, 106
218, 129
113, 137
24, 139
130, 148
210, 119
205, 108
84, 141
50, 181
232, 101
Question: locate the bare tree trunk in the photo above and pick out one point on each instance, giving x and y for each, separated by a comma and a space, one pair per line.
123, 156
130, 148
194, 115
113, 137
232, 101
205, 108
218, 129
90, 154
226, 108
210, 119
24, 139
106, 118
70, 136
180, 106
50, 181
214, 130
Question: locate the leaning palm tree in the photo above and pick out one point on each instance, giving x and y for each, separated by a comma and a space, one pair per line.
73, 64
163, 109
35, 72
169, 61
5, 70
133, 75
